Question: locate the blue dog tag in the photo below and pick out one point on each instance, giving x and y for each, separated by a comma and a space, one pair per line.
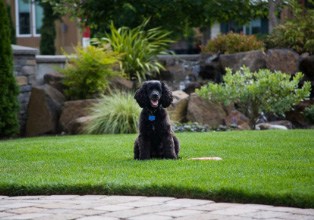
152, 117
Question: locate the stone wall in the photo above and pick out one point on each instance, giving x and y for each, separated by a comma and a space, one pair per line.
48, 64
25, 71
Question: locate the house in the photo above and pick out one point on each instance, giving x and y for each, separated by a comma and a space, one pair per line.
27, 18
257, 26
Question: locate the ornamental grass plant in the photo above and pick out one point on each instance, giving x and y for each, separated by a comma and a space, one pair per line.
117, 113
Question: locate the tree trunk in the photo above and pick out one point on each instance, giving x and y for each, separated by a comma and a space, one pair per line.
272, 14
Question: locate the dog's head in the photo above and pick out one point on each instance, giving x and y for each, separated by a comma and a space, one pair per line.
153, 94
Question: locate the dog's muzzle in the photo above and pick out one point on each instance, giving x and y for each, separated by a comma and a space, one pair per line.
154, 99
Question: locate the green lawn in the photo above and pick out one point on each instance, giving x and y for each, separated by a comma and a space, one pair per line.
268, 167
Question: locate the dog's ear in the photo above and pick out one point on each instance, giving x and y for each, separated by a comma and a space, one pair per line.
166, 97
141, 96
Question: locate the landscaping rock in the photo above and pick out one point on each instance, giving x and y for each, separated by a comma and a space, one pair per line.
73, 110
274, 125
178, 108
306, 66
254, 60
296, 116
236, 119
77, 126
121, 83
191, 87
44, 109
205, 112
54, 80
284, 60
210, 68
268, 126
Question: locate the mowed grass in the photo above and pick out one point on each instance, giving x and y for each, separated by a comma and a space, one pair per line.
266, 167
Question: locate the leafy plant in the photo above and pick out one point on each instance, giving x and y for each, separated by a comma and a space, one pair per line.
117, 113
262, 91
139, 47
309, 113
233, 43
87, 73
9, 107
296, 33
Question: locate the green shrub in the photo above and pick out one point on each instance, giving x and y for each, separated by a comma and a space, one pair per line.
139, 47
87, 74
309, 113
262, 91
296, 33
232, 43
117, 113
9, 108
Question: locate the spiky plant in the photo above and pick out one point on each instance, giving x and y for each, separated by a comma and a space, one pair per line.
139, 47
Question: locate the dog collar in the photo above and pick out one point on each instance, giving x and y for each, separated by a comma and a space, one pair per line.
151, 117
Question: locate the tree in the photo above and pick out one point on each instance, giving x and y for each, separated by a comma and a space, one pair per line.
262, 91
175, 15
48, 31
273, 13
9, 108
12, 26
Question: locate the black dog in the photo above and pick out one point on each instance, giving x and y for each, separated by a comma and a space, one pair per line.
155, 139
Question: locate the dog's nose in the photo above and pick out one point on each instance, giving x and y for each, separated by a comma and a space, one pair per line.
155, 95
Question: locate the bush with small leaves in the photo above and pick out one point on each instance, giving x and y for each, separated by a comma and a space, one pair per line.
232, 43
256, 92
87, 74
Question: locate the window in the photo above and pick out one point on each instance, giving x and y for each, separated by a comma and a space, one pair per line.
29, 16
254, 27
24, 17
38, 18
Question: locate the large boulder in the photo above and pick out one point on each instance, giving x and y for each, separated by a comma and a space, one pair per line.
44, 109
120, 83
236, 119
73, 110
296, 116
210, 68
178, 108
254, 60
55, 80
77, 125
306, 66
284, 60
205, 112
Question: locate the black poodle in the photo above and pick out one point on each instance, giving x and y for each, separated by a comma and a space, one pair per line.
156, 139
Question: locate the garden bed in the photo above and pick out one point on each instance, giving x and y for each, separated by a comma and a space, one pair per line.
266, 167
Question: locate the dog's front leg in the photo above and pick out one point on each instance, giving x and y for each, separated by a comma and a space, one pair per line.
168, 148
144, 148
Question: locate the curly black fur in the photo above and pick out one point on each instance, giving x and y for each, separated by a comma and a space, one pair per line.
155, 140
